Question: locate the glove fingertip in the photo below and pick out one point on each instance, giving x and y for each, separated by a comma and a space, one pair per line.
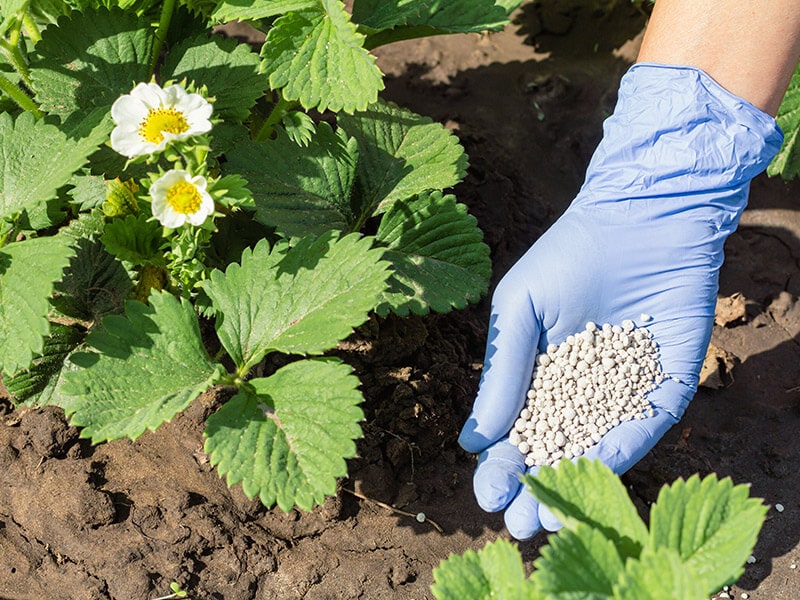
495, 489
522, 517
548, 519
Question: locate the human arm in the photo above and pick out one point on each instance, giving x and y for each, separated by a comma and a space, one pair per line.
749, 47
645, 234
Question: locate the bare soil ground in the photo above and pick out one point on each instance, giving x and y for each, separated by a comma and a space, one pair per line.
122, 520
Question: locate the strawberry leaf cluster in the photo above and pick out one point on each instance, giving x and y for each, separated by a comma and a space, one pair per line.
167, 190
701, 533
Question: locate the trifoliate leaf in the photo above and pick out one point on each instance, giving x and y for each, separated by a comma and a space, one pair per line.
89, 59
787, 162
580, 563
302, 301
233, 10
317, 58
134, 239
37, 159
28, 270
495, 571
94, 284
286, 441
658, 575
438, 16
26, 386
589, 492
147, 367
299, 127
229, 71
300, 190
712, 524
439, 261
401, 154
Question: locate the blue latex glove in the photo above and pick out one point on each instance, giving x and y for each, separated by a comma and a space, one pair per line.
665, 187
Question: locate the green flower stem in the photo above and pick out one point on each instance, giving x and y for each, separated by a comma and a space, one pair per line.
167, 9
31, 28
265, 131
14, 57
21, 98
16, 31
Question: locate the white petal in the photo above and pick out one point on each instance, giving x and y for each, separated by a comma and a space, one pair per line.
173, 95
165, 214
150, 94
206, 209
171, 219
127, 109
199, 182
129, 143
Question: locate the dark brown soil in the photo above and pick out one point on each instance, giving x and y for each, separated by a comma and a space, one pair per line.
122, 520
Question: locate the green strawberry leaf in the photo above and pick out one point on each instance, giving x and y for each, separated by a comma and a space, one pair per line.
286, 437
240, 10
658, 575
28, 270
712, 524
411, 19
580, 563
146, 367
37, 159
496, 571
439, 261
787, 162
135, 239
229, 71
89, 59
401, 154
589, 492
300, 190
28, 386
316, 57
299, 127
94, 284
304, 300
87, 191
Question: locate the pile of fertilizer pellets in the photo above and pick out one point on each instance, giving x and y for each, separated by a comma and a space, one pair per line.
595, 380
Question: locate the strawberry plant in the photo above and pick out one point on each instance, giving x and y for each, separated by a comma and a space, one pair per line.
700, 535
177, 205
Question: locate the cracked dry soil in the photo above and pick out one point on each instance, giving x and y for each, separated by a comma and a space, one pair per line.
122, 520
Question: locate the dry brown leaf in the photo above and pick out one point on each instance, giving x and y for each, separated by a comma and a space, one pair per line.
717, 369
729, 309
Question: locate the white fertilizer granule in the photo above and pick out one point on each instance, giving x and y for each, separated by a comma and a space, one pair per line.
595, 380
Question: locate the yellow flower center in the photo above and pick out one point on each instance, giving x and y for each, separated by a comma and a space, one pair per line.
184, 198
162, 120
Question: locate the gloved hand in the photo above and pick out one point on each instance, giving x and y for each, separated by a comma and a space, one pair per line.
645, 235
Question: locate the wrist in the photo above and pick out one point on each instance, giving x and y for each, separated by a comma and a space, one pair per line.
676, 131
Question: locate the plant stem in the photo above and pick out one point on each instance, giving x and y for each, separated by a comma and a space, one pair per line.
16, 31
265, 131
14, 57
31, 28
161, 33
21, 98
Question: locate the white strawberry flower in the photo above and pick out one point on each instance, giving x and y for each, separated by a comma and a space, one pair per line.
150, 117
179, 198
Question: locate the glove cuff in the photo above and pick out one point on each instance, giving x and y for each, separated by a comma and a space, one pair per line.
676, 132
